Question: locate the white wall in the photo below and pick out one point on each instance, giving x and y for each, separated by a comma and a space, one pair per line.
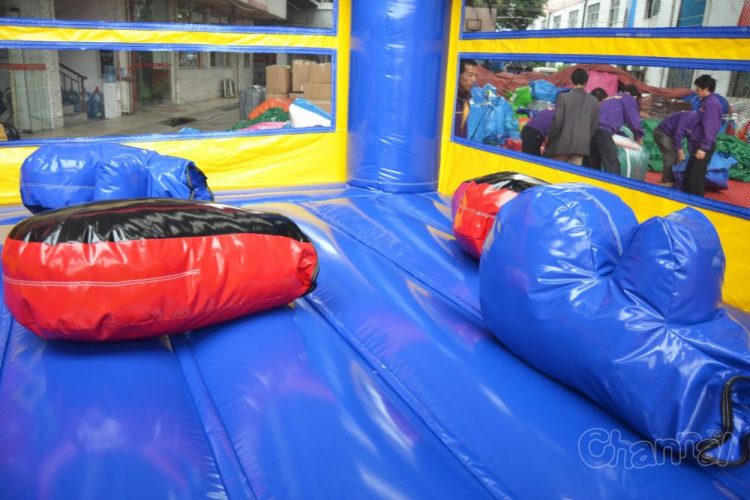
564, 10
85, 62
200, 84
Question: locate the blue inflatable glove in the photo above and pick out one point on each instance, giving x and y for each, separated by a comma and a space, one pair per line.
628, 314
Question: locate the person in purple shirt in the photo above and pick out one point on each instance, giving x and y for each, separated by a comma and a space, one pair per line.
536, 130
702, 137
669, 136
615, 112
466, 80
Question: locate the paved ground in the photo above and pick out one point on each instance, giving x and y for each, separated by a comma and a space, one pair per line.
209, 115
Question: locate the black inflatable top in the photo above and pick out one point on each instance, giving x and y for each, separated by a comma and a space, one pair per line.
155, 218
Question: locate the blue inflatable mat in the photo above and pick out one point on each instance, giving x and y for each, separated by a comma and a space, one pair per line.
383, 382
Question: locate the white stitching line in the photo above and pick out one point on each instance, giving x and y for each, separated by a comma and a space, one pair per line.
157, 279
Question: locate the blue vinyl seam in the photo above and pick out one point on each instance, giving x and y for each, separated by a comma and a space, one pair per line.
672, 194
447, 295
409, 399
691, 32
228, 464
675, 62
369, 182
163, 26
382, 200
5, 341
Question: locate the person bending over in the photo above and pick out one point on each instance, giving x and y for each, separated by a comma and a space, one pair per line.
615, 112
536, 130
668, 137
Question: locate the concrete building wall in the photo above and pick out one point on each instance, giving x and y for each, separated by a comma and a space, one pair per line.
91, 10
722, 13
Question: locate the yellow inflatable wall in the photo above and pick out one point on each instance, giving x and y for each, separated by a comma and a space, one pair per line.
229, 162
460, 162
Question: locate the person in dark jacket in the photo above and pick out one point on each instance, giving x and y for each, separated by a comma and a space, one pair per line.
574, 122
702, 137
615, 112
466, 80
669, 136
536, 130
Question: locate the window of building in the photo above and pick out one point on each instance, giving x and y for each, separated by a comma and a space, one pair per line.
556, 22
652, 8
573, 19
592, 16
221, 59
614, 11
190, 59
297, 13
740, 85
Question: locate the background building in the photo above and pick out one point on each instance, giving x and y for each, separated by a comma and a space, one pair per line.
43, 89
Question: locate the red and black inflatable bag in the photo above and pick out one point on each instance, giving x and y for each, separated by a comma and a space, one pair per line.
477, 202
130, 269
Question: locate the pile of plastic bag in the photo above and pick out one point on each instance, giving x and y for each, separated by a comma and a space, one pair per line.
491, 117
632, 156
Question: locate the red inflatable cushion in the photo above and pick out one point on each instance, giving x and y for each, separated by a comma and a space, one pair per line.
477, 202
133, 269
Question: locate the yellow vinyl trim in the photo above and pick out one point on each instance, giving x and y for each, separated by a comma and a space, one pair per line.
697, 48
135, 36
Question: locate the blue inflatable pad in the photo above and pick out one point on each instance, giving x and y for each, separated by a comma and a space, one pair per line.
60, 175
383, 382
628, 314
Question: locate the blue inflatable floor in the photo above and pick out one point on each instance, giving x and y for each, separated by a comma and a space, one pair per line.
382, 383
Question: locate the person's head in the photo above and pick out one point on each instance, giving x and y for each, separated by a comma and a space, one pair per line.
704, 85
579, 77
468, 76
633, 90
599, 93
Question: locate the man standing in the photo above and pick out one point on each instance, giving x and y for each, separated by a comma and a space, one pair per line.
466, 80
615, 112
702, 138
668, 137
574, 122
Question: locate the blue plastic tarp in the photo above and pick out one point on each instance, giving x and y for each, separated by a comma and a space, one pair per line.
491, 117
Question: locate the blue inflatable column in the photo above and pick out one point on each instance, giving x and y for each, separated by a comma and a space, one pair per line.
396, 92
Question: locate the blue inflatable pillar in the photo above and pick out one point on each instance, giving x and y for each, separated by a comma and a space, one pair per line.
396, 92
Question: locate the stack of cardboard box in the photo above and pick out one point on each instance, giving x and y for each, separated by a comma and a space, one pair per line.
278, 81
306, 79
318, 88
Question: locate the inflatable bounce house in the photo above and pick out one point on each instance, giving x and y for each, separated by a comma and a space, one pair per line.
342, 295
